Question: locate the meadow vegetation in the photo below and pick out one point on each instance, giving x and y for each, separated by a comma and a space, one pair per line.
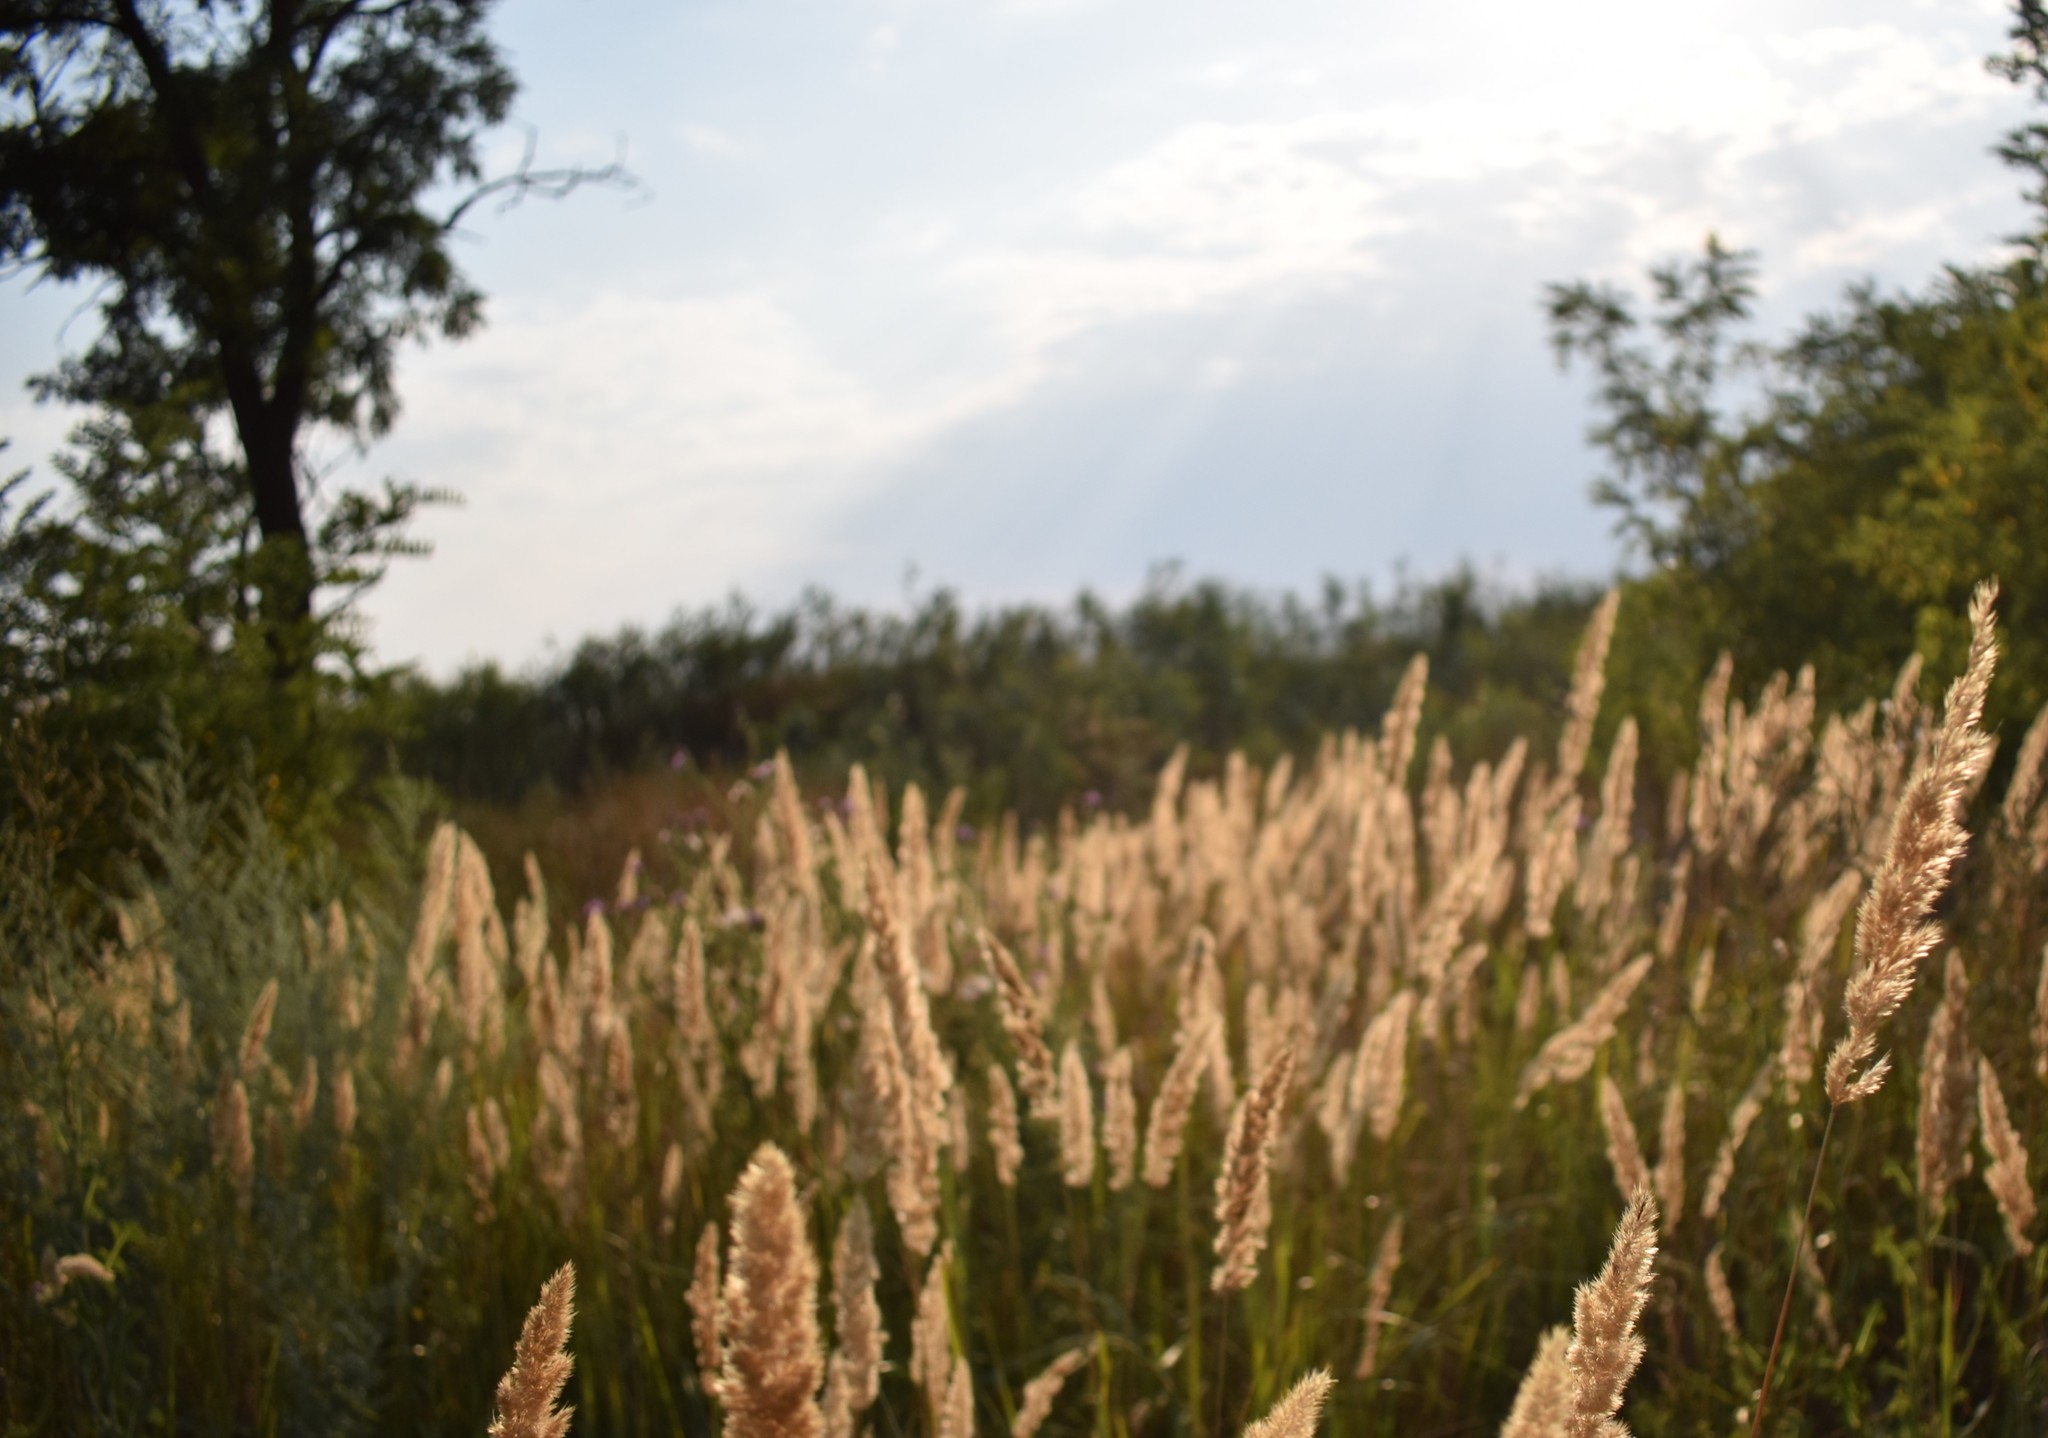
1537, 1014
1468, 1079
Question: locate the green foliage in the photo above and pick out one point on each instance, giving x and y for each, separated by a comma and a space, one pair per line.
271, 1319
1024, 708
247, 182
247, 185
1890, 456
129, 605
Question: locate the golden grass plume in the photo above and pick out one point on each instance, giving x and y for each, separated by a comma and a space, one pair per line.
540, 1366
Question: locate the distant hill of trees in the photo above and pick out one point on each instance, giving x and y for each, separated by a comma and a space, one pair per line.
1024, 706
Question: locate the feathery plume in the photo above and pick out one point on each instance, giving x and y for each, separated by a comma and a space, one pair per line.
1671, 922
910, 1006
1740, 1119
1819, 927
540, 1366
869, 1100
1297, 1412
694, 1024
1244, 1207
1379, 1078
256, 1032
835, 1406
234, 1149
622, 1103
1077, 1120
60, 1273
1702, 985
1025, 1024
495, 1132
530, 922
1604, 1342
1529, 999
705, 1301
483, 1169
671, 1191
1166, 1125
345, 1102
1379, 1290
1624, 1150
1704, 816
1101, 1013
74, 1266
1594, 886
913, 1177
1605, 1347
857, 1360
1558, 976
1543, 1402
480, 949
956, 1419
1403, 720
2024, 787
1667, 1180
435, 895
558, 1134
1589, 678
1119, 1121
931, 1334
1567, 1054
773, 1362
2041, 1018
1035, 1405
306, 1094
1721, 1297
1004, 1138
1893, 930
1948, 1099
2006, 1174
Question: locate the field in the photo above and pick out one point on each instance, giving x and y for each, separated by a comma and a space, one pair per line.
878, 1121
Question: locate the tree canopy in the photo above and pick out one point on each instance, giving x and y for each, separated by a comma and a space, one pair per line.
250, 183
261, 195
1893, 456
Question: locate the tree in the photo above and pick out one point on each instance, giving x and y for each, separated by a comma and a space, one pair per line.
1890, 457
1678, 470
249, 181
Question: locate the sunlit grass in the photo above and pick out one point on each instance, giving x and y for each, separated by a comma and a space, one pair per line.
585, 1078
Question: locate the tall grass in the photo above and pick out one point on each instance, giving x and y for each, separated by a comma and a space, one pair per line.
1130, 1126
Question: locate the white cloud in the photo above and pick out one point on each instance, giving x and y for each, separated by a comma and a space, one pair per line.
625, 449
1865, 240
710, 141
1534, 137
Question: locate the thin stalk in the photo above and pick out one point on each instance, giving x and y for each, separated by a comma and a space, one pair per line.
1756, 1426
1191, 1265
1222, 1358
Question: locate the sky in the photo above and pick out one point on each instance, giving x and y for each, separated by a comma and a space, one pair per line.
1014, 297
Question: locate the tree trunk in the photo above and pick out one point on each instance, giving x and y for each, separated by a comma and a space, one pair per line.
285, 569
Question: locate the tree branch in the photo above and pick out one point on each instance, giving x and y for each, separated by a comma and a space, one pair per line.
548, 184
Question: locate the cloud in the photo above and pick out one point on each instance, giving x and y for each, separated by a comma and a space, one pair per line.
1575, 123
624, 449
710, 141
1368, 189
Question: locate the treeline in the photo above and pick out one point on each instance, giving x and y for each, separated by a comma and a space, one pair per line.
1024, 706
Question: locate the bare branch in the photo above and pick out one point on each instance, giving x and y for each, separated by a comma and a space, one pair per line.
556, 184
